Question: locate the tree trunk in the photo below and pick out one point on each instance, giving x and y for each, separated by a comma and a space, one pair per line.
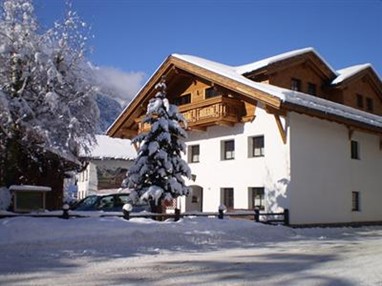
157, 208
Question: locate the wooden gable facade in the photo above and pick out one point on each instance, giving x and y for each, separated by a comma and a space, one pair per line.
309, 74
204, 98
305, 72
362, 91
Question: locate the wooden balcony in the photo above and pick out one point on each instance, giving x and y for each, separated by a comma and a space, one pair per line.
218, 110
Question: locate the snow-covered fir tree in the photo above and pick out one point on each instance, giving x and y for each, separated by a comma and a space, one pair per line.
46, 96
158, 171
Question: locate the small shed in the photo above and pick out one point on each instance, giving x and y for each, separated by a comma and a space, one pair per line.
28, 198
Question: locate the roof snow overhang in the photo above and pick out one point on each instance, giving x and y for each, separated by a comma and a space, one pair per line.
279, 62
335, 112
350, 74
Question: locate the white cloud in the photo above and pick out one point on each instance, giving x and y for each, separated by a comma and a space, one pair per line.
122, 85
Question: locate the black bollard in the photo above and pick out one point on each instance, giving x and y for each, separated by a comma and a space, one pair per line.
65, 211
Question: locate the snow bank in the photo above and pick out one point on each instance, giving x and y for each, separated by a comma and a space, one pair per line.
140, 234
192, 251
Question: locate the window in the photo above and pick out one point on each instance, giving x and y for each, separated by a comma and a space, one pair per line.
184, 99
355, 201
295, 84
256, 146
211, 92
359, 101
228, 150
256, 198
193, 154
226, 195
354, 150
369, 104
106, 203
312, 89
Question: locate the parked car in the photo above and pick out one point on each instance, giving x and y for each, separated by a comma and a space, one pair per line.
108, 203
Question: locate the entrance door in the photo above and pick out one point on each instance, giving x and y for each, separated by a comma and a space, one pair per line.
194, 201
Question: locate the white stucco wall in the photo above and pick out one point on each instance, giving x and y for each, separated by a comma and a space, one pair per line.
87, 180
270, 171
323, 175
312, 174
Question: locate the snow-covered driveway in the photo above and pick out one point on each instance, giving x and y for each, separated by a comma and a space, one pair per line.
193, 251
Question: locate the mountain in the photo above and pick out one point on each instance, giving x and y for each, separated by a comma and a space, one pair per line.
109, 110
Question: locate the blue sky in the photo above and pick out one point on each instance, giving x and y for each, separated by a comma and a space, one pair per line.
137, 35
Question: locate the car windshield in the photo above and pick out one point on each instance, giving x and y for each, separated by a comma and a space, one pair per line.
86, 203
108, 203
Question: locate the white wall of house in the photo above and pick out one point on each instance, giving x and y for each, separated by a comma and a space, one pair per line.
88, 180
323, 175
241, 173
312, 174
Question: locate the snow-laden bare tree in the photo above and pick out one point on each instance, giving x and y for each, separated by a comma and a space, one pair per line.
158, 171
46, 97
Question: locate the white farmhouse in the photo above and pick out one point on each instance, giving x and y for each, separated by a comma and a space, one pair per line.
285, 132
108, 162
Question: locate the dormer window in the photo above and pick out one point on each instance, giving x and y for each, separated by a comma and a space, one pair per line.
359, 101
369, 104
312, 88
295, 84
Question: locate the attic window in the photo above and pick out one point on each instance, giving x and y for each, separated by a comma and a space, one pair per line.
182, 100
369, 104
211, 92
312, 88
295, 84
359, 101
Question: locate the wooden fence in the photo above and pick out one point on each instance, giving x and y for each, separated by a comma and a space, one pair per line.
256, 215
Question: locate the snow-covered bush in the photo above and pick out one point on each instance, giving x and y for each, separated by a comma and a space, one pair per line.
158, 171
5, 198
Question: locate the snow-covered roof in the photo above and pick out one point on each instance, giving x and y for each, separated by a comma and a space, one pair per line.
274, 96
348, 72
286, 95
265, 62
29, 188
227, 71
111, 148
330, 107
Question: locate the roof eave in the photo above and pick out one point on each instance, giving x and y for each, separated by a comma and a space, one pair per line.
351, 123
138, 99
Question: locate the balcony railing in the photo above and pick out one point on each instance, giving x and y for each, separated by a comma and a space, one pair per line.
218, 110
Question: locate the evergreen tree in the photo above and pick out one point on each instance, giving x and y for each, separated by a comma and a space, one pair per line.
158, 171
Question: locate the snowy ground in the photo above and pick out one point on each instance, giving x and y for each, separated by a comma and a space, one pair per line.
193, 251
